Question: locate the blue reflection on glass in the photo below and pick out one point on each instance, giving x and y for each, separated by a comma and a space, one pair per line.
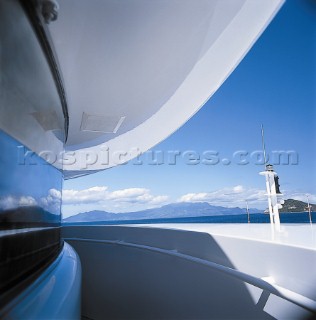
30, 192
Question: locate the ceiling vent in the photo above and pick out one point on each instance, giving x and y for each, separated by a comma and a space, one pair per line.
100, 123
48, 119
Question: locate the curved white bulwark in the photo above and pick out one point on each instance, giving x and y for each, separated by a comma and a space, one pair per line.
196, 271
135, 71
55, 294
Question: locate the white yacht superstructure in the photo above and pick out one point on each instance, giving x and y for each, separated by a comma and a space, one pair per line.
88, 85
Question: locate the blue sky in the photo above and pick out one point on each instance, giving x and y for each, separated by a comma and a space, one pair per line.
275, 86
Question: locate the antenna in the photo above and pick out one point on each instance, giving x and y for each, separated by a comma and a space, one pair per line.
248, 212
309, 211
272, 188
263, 145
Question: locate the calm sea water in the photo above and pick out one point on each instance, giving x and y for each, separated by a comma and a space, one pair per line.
302, 217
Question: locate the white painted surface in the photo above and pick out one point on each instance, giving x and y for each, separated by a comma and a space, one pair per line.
272, 198
153, 62
296, 235
152, 272
56, 294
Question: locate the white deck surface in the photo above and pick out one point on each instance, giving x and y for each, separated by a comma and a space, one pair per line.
300, 235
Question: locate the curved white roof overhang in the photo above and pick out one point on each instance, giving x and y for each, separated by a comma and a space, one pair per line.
136, 71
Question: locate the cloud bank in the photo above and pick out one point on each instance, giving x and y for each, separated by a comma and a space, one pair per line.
102, 194
238, 195
51, 202
134, 199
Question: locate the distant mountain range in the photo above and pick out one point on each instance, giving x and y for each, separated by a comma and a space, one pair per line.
174, 210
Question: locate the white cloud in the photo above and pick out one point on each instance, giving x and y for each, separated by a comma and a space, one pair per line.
194, 197
302, 196
238, 189
94, 194
10, 202
136, 195
52, 202
230, 197
238, 195
129, 194
95, 198
27, 201
103, 195
159, 199
54, 193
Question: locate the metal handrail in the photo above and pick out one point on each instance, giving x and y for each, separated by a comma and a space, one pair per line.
279, 291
